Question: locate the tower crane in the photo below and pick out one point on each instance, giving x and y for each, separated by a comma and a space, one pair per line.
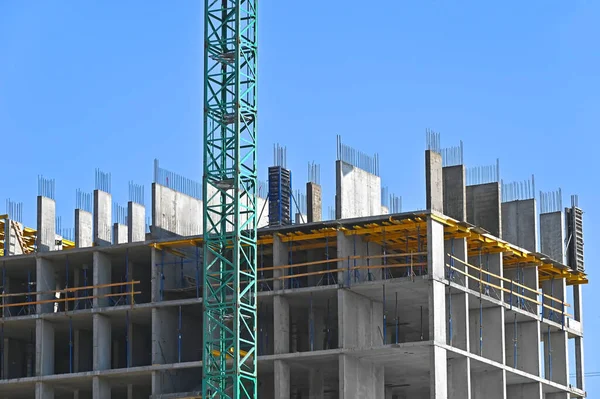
229, 192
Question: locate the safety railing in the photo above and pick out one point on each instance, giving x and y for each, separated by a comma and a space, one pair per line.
68, 295
413, 263
552, 308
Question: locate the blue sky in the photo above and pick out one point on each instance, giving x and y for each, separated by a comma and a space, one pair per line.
114, 85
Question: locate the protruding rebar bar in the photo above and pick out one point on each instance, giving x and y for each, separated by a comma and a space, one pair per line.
314, 173
452, 156
83, 201
136, 193
519, 190
279, 156
357, 158
433, 140
119, 214
103, 181
395, 203
14, 210
483, 174
177, 182
46, 187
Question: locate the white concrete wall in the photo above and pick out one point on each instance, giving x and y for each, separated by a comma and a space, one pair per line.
83, 229
358, 193
174, 212
46, 224
136, 220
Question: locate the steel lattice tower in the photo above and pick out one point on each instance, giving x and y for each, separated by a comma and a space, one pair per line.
230, 170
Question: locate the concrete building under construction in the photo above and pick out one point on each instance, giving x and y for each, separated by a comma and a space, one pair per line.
476, 296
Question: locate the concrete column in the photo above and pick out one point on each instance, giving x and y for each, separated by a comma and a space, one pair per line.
100, 388
102, 218
44, 347
46, 281
101, 342
459, 378
282, 379
280, 258
434, 185
314, 205
315, 384
281, 323
102, 275
455, 192
164, 335
489, 385
46, 224
457, 301
136, 220
83, 229
531, 390
578, 313
360, 321
120, 233
519, 223
438, 375
552, 233
483, 207
43, 391
358, 192
359, 379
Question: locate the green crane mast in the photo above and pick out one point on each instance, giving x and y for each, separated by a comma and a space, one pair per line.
229, 183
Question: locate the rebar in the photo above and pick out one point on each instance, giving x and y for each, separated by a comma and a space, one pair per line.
551, 201
357, 158
279, 156
136, 193
452, 156
395, 204
14, 210
433, 140
103, 181
314, 173
483, 174
46, 187
301, 202
177, 182
518, 190
575, 201
119, 214
83, 201
385, 197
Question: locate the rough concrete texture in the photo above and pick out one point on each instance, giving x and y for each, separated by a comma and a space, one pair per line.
282, 379
556, 346
552, 232
489, 385
120, 233
459, 378
360, 379
101, 275
483, 207
519, 338
46, 282
12, 246
281, 323
44, 347
136, 220
455, 192
175, 213
43, 391
362, 319
83, 229
314, 204
531, 390
358, 193
519, 223
101, 342
102, 218
46, 224
434, 187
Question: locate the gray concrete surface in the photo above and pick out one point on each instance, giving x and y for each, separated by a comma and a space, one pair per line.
102, 218
434, 184
358, 193
136, 221
83, 229
455, 192
483, 207
46, 224
519, 223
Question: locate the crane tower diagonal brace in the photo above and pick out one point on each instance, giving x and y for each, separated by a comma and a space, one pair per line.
230, 184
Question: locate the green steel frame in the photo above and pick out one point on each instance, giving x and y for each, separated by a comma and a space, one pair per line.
229, 183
